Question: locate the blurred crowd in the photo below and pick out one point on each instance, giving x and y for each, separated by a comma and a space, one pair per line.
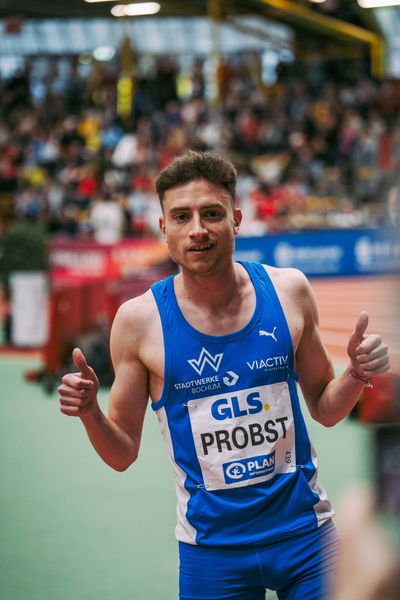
319, 147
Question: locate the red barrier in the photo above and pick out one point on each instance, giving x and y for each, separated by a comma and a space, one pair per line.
74, 309
79, 307
89, 282
381, 402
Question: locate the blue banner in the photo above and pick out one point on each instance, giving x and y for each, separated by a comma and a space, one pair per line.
326, 253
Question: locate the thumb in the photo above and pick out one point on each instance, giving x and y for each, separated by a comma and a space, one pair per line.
80, 362
358, 334
361, 326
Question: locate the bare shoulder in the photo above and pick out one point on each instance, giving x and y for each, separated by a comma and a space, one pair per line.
297, 300
288, 280
132, 321
137, 311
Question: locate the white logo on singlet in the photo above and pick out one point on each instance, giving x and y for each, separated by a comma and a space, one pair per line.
205, 357
268, 333
230, 378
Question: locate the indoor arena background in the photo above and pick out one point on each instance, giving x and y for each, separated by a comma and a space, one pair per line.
306, 102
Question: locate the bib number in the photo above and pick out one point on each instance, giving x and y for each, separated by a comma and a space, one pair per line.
245, 437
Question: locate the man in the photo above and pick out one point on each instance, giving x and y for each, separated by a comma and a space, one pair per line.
107, 220
218, 349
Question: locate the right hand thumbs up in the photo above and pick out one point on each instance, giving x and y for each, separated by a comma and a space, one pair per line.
80, 362
78, 391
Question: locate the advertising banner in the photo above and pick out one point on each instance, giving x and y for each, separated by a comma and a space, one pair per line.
326, 253
29, 327
90, 260
316, 253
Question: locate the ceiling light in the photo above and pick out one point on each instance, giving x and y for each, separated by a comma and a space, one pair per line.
118, 10
104, 53
93, 1
135, 10
378, 3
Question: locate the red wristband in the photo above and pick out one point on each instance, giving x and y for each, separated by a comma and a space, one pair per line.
366, 381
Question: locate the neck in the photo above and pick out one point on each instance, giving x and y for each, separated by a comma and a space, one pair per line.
214, 290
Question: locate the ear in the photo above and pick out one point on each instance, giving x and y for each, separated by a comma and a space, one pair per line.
237, 219
161, 224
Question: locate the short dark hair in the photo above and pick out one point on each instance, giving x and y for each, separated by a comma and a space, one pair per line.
198, 165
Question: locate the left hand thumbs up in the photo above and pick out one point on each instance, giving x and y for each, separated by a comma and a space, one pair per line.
358, 334
367, 352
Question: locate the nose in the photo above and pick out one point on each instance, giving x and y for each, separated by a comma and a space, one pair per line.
197, 229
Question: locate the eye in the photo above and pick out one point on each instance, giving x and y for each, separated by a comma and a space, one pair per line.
181, 217
212, 214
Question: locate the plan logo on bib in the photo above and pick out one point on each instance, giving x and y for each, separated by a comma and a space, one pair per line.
249, 468
205, 358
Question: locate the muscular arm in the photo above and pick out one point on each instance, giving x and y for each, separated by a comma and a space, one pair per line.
331, 398
115, 437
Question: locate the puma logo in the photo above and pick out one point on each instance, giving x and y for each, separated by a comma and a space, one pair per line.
269, 334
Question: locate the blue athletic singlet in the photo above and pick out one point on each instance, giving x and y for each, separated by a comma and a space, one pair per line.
246, 472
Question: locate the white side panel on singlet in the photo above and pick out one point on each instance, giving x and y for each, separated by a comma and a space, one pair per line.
323, 509
184, 530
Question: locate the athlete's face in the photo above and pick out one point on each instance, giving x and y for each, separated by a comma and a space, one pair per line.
199, 224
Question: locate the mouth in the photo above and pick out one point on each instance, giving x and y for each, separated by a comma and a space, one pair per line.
198, 248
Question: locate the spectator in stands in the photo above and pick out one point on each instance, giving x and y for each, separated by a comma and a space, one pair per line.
342, 137
264, 202
391, 208
107, 220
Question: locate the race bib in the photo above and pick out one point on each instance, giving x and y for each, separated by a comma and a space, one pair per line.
244, 437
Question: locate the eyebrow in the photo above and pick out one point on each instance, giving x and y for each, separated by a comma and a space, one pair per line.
188, 208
